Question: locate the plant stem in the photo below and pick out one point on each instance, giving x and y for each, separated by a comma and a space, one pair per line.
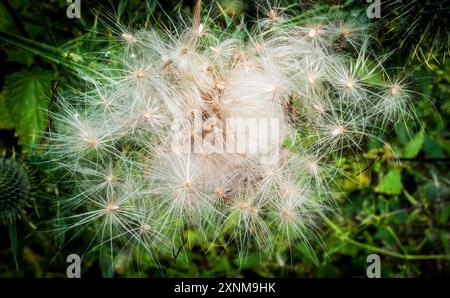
344, 237
69, 60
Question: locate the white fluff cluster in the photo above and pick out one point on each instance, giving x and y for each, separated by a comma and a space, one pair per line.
123, 139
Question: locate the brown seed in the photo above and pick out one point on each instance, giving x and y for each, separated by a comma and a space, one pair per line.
350, 84
242, 205
219, 193
287, 215
90, 141
144, 228
147, 115
220, 85
139, 74
111, 208
395, 89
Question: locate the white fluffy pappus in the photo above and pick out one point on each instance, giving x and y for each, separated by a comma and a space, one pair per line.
146, 148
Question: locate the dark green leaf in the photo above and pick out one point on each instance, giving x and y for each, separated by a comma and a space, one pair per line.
413, 147
26, 94
5, 118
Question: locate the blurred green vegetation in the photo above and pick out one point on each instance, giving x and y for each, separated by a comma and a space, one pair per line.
397, 209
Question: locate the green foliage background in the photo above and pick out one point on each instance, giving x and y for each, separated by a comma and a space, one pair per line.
399, 210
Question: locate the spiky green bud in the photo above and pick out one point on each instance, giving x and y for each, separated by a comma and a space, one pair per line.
15, 190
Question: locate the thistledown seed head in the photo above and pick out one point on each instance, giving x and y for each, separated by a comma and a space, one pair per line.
231, 133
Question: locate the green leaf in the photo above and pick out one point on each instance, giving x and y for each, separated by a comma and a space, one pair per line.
391, 183
5, 19
5, 118
413, 147
26, 94
402, 133
20, 56
248, 261
121, 8
432, 148
306, 251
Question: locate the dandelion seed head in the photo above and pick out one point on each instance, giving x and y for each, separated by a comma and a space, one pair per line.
219, 192
110, 179
112, 208
184, 51
128, 38
312, 166
313, 31
138, 74
144, 228
287, 214
395, 89
242, 205
337, 130
90, 141
350, 84
145, 143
